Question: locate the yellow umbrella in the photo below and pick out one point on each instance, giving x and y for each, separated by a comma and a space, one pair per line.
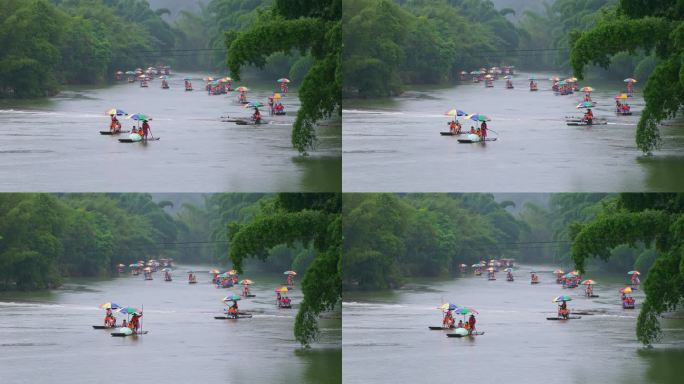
232, 272
282, 289
626, 290
622, 96
277, 96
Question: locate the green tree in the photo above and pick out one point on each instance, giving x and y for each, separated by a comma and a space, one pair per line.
306, 218
656, 220
633, 26
308, 26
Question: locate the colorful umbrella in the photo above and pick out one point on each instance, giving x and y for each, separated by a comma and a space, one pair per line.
283, 80
232, 272
232, 297
508, 77
120, 265
575, 273
129, 310
588, 282
130, 72
277, 96
585, 104
462, 265
454, 112
208, 78
223, 275
242, 89
569, 276
246, 282
110, 306
475, 265
508, 269
281, 289
571, 80
626, 290
557, 271
163, 77
254, 104
139, 117
227, 79
490, 269
488, 76
622, 96
633, 273
447, 307
587, 89
289, 273
214, 271
478, 117
475, 72
629, 80
554, 78
465, 311
562, 298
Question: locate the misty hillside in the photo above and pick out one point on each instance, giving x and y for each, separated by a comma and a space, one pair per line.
176, 5
519, 6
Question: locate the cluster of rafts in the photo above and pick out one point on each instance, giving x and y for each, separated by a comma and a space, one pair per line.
466, 327
132, 325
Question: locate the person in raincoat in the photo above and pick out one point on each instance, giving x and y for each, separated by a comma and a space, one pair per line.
115, 125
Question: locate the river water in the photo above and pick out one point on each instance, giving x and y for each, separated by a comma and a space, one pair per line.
47, 336
385, 335
394, 144
55, 145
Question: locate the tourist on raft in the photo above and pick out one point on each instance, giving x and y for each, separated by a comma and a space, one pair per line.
134, 324
563, 310
471, 323
589, 116
115, 125
589, 290
448, 321
109, 320
256, 117
145, 129
483, 129
233, 310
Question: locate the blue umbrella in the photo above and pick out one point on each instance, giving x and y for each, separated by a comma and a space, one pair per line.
232, 297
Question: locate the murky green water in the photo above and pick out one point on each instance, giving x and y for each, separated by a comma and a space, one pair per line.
48, 336
385, 335
55, 145
394, 144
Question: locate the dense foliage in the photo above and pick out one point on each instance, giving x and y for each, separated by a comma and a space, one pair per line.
389, 237
311, 27
653, 219
47, 43
46, 237
310, 219
419, 41
633, 26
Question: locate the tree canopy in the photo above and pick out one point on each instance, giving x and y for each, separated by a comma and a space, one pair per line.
633, 26
655, 220
389, 237
309, 27
307, 218
418, 42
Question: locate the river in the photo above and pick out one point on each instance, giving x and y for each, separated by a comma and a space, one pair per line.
394, 144
385, 335
54, 144
47, 336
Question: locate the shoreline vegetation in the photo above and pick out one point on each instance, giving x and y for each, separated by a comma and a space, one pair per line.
417, 42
